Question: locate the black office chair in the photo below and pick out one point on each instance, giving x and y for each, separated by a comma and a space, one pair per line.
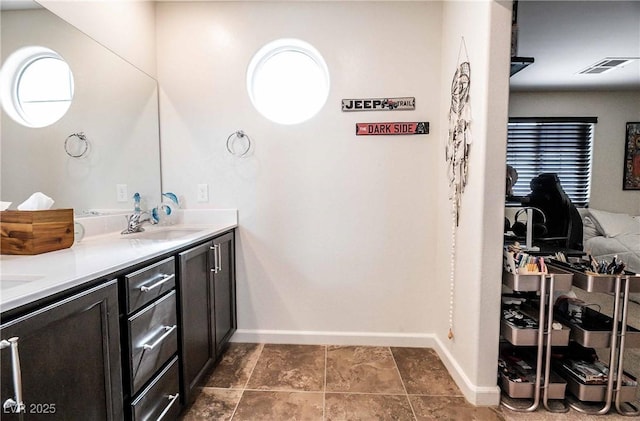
563, 221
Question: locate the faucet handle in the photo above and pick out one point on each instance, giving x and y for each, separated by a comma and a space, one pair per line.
133, 223
136, 202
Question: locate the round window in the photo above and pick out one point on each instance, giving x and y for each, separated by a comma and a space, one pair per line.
36, 86
288, 81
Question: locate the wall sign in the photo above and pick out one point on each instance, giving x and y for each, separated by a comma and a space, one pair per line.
419, 127
379, 104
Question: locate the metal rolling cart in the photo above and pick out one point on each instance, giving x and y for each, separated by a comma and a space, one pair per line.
615, 393
547, 385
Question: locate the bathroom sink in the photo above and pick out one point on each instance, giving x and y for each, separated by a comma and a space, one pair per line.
164, 234
8, 281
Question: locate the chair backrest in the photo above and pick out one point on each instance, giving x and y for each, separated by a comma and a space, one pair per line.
562, 217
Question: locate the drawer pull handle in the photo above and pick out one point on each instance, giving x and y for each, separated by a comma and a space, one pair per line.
165, 278
168, 331
172, 399
14, 405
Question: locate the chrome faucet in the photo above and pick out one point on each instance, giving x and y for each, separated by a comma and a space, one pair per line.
135, 221
137, 218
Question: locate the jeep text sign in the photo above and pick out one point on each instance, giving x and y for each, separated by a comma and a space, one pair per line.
379, 104
419, 127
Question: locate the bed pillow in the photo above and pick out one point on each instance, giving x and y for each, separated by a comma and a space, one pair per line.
589, 229
613, 224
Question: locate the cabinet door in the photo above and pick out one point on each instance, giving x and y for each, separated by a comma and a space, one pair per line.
196, 316
224, 291
69, 359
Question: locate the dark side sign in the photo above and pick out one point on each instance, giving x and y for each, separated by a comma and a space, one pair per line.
396, 128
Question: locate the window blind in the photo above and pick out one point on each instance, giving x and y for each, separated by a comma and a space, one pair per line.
552, 145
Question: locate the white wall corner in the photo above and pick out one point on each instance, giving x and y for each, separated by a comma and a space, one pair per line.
472, 356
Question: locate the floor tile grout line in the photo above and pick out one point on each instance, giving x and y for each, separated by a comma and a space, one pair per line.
311, 392
337, 392
404, 387
255, 364
316, 392
233, 414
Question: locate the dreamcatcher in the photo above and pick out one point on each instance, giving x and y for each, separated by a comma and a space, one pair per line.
457, 156
457, 149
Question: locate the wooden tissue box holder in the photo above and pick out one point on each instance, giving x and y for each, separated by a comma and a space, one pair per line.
35, 232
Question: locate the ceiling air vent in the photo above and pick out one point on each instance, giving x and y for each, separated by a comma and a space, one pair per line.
519, 63
607, 64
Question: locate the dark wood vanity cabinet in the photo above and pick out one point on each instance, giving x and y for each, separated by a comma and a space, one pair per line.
63, 361
207, 308
132, 348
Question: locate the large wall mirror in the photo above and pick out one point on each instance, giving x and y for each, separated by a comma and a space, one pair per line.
114, 106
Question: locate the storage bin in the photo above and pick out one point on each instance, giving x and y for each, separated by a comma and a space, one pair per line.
35, 232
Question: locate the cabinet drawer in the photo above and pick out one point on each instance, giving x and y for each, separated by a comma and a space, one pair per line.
149, 283
160, 400
153, 339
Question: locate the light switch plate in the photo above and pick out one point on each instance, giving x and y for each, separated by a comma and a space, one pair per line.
203, 192
122, 194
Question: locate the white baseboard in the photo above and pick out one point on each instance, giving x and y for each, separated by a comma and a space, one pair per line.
477, 395
306, 337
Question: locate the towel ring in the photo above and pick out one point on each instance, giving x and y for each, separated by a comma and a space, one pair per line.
82, 144
232, 139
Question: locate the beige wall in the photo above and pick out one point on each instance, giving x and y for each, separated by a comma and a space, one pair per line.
124, 26
613, 109
336, 231
344, 239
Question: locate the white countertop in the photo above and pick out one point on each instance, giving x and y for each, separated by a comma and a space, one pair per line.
24, 279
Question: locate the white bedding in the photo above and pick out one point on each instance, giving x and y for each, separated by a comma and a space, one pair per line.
608, 234
624, 246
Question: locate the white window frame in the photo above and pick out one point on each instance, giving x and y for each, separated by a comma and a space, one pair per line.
10, 78
267, 52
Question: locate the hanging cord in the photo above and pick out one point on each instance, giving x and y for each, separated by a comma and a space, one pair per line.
452, 276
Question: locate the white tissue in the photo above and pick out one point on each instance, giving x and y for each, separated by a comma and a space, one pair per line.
4, 205
37, 201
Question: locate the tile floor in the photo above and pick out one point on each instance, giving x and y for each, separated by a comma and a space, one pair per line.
261, 382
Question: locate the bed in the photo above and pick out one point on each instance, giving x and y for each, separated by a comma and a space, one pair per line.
609, 234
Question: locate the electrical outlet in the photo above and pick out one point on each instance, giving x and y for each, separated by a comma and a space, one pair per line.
203, 192
122, 194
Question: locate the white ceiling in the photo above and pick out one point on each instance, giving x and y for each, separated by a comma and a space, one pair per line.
565, 37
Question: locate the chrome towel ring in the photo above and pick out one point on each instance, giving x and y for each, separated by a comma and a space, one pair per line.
77, 148
241, 151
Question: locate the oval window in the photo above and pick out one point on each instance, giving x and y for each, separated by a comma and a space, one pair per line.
37, 86
288, 81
